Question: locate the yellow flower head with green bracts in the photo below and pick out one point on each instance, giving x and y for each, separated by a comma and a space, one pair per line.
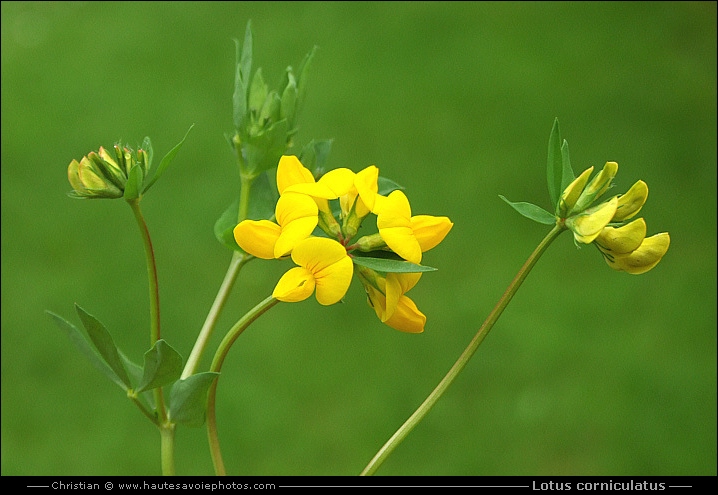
580, 206
386, 261
623, 246
324, 266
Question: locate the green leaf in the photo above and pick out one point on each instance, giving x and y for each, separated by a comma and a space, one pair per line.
80, 341
554, 164
163, 365
135, 371
314, 155
530, 210
263, 198
387, 185
303, 78
188, 399
388, 265
133, 184
104, 344
166, 160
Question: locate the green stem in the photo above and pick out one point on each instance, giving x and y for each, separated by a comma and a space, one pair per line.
167, 439
217, 362
235, 265
429, 402
167, 436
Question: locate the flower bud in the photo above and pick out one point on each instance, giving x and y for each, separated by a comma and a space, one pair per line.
572, 192
88, 180
598, 185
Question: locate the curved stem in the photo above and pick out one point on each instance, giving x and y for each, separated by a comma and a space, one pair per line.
219, 357
429, 402
235, 265
166, 432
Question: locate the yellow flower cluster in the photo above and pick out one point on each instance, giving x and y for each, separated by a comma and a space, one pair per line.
624, 246
325, 264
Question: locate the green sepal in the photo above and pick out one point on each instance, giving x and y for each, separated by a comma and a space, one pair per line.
163, 365
263, 198
567, 175
288, 107
315, 154
81, 342
389, 265
243, 67
166, 160
133, 184
258, 91
530, 210
263, 151
188, 399
147, 146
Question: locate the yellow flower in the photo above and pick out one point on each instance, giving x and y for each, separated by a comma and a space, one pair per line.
324, 266
385, 294
407, 235
624, 247
628, 249
296, 216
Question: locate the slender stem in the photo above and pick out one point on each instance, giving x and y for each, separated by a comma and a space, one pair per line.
166, 431
167, 436
144, 409
219, 357
429, 402
235, 265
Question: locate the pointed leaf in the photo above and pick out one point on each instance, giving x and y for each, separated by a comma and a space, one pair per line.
79, 339
163, 365
387, 185
188, 399
387, 265
303, 77
530, 210
166, 160
104, 344
243, 66
554, 164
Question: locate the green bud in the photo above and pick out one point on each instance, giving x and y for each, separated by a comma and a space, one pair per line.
89, 182
371, 242
257, 93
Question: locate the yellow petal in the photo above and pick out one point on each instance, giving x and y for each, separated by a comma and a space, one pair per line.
296, 285
407, 317
572, 192
430, 231
333, 281
339, 181
257, 237
588, 225
290, 171
329, 264
401, 240
602, 181
623, 239
367, 185
648, 255
630, 204
397, 284
395, 211
73, 175
292, 233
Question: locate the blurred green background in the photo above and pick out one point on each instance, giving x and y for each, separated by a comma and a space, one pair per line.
588, 372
